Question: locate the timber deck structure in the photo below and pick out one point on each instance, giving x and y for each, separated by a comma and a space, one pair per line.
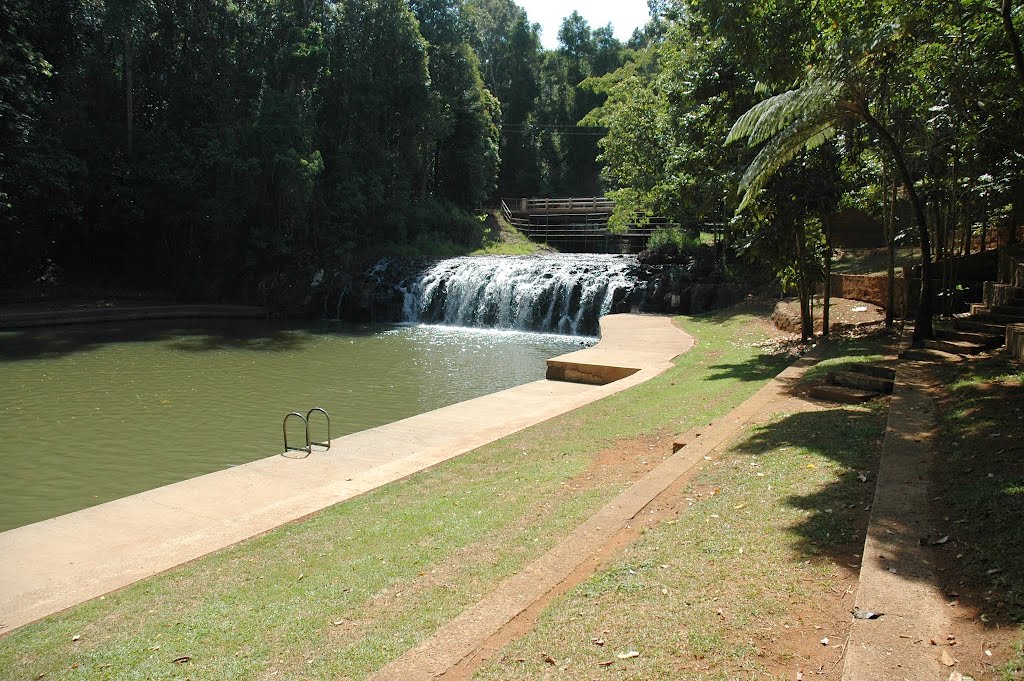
578, 225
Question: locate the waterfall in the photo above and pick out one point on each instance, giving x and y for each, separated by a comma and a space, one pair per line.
564, 294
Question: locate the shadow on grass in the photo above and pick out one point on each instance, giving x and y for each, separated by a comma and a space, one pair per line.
757, 368
980, 477
977, 489
188, 336
838, 519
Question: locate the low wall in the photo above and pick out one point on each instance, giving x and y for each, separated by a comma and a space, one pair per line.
1015, 341
869, 288
1011, 266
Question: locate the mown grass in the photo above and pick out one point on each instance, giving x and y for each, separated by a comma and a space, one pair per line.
343, 593
769, 529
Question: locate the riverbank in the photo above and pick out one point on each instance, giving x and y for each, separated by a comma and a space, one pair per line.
694, 586
53, 564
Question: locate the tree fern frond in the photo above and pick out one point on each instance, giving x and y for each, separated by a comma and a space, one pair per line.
783, 148
746, 123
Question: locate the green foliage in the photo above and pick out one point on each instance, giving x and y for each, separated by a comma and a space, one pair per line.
684, 241
205, 147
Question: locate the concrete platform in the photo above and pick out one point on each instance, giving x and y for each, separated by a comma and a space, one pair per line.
55, 564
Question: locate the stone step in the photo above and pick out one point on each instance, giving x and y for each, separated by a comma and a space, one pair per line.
998, 315
859, 381
989, 340
837, 393
974, 324
957, 347
888, 373
929, 355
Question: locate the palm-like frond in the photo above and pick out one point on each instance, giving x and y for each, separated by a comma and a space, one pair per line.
790, 122
804, 135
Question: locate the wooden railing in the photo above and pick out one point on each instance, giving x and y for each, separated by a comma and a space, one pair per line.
576, 219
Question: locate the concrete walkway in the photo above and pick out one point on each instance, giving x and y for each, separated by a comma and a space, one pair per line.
897, 575
52, 565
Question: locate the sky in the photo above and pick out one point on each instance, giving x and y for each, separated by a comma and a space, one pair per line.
624, 15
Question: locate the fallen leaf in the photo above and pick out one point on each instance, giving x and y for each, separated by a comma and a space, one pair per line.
155, 647
626, 656
811, 465
738, 507
947, 659
608, 663
940, 541
183, 659
597, 641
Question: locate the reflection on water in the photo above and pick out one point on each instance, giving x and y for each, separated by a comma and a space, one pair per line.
90, 414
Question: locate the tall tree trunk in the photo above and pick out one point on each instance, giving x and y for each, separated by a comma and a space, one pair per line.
803, 290
828, 277
1011, 35
129, 94
923, 319
890, 240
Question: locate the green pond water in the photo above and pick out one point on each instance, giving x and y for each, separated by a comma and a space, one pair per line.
93, 413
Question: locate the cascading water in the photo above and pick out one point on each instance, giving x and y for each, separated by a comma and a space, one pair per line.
560, 293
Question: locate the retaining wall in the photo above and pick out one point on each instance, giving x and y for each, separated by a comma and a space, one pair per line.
869, 288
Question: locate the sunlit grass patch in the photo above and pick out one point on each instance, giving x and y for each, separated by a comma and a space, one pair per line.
768, 531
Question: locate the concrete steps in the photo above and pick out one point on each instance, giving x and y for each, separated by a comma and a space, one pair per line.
854, 384
1000, 314
975, 325
930, 355
840, 394
989, 340
859, 381
956, 347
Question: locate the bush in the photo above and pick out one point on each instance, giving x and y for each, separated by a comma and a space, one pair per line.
686, 243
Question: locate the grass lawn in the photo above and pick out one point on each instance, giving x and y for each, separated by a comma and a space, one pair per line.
757, 568
343, 593
981, 478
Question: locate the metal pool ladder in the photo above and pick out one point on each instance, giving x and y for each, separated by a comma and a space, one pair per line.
308, 448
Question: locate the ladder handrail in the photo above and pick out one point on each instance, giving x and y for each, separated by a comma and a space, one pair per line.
284, 428
327, 443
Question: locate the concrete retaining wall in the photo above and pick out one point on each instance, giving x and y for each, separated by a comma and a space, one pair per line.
1015, 341
1011, 266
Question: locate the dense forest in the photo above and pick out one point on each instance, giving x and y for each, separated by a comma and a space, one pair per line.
772, 115
216, 147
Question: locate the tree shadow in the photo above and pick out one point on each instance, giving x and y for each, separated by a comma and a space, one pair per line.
981, 562
188, 336
837, 517
758, 368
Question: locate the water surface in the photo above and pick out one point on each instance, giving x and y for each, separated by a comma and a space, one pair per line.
93, 413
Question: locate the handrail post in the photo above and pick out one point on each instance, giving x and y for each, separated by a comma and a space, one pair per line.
325, 444
284, 428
